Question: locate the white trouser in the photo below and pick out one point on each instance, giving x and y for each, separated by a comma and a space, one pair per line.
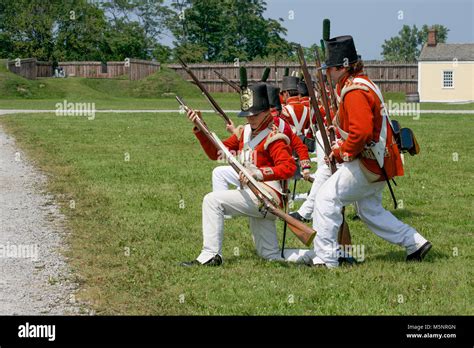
222, 177
346, 186
241, 203
323, 173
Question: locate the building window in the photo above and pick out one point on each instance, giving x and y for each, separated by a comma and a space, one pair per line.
448, 81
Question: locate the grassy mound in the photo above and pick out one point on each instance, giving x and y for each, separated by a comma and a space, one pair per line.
162, 84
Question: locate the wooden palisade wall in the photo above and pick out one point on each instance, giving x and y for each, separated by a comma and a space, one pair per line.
391, 77
135, 69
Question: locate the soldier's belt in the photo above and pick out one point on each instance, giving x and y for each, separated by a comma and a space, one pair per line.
367, 153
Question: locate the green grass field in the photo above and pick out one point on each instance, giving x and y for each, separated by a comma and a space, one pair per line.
130, 230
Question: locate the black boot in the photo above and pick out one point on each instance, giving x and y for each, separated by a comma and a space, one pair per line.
420, 254
215, 261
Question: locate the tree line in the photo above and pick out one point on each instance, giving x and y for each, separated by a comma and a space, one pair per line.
201, 30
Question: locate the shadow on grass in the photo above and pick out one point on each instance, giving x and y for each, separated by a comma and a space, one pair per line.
398, 213
403, 213
400, 256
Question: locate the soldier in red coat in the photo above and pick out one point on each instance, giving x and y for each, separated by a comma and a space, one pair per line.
294, 112
267, 155
223, 176
299, 148
368, 155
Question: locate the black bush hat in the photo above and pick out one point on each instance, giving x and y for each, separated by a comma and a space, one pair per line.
253, 100
340, 51
274, 97
289, 83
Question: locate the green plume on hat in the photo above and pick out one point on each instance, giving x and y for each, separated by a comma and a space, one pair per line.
243, 77
326, 29
287, 71
265, 74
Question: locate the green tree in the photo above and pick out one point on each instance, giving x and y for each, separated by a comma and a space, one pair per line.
126, 40
162, 53
136, 26
407, 45
6, 42
190, 52
227, 29
51, 30
27, 28
277, 47
80, 32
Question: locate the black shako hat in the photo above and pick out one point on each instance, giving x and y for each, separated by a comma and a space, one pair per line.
289, 83
340, 51
274, 97
253, 100
303, 89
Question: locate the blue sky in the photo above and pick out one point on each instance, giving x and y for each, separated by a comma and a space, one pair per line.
370, 22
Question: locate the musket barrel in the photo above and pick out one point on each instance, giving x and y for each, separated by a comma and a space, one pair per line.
314, 104
203, 89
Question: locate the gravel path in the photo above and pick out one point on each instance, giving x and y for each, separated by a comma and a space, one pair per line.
34, 276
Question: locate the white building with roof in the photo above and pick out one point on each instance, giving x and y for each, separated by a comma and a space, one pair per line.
446, 71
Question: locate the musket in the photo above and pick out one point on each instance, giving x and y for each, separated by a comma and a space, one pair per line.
204, 91
344, 236
324, 97
268, 204
332, 96
326, 36
310, 179
314, 104
230, 83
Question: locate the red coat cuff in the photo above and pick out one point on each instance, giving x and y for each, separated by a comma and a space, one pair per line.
341, 155
268, 173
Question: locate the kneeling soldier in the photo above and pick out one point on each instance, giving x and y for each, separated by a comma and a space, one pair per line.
268, 158
223, 176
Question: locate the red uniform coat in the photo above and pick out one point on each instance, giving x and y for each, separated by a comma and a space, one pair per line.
360, 116
298, 107
295, 142
306, 102
273, 158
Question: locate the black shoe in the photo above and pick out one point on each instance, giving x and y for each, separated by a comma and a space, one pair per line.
298, 217
215, 261
420, 254
316, 265
349, 261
